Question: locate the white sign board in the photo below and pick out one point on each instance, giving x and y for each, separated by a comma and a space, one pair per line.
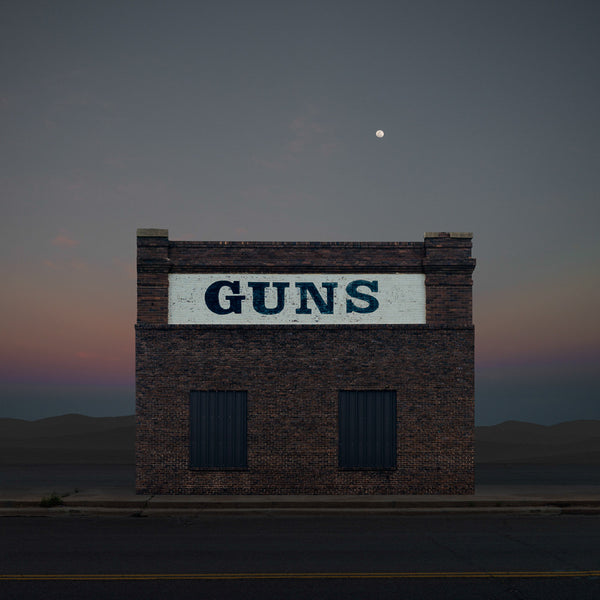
296, 299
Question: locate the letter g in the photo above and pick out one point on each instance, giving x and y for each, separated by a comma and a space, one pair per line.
211, 297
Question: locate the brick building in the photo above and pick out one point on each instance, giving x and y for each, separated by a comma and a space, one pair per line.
304, 368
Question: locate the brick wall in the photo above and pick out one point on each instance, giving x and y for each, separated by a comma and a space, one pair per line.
293, 373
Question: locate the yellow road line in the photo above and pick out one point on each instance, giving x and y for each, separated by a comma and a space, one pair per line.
238, 576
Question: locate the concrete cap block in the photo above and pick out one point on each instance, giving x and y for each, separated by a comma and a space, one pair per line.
153, 233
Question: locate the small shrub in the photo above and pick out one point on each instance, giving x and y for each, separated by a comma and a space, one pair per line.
51, 500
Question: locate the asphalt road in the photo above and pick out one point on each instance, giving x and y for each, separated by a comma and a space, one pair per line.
279, 557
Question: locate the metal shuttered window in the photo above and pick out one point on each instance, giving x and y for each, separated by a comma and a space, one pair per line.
218, 430
367, 434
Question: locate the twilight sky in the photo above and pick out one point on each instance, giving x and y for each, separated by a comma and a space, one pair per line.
237, 120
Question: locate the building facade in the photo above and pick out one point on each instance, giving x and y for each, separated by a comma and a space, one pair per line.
304, 368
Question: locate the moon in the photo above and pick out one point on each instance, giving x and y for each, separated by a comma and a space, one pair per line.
379, 133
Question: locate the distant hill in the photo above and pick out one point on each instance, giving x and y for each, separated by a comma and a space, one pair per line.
573, 442
68, 439
77, 439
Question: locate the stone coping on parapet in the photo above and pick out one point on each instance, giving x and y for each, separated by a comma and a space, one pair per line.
450, 234
164, 233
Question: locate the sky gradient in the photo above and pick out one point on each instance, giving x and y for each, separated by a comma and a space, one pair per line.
256, 121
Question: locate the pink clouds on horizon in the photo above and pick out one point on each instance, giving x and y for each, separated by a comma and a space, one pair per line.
551, 320
69, 321
42, 364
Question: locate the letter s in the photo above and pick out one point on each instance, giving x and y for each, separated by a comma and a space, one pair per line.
352, 291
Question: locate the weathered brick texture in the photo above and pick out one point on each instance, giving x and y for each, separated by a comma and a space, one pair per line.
293, 373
